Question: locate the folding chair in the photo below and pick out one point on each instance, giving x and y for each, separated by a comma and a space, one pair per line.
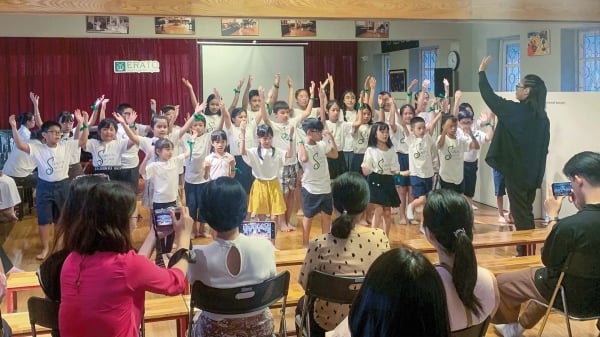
478, 330
240, 300
578, 268
330, 288
42, 312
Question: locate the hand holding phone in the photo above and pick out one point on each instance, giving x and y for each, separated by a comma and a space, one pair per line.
561, 189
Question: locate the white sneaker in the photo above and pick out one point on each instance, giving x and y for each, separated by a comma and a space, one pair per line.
509, 330
410, 213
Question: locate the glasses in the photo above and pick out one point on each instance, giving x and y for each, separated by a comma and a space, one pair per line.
519, 86
54, 132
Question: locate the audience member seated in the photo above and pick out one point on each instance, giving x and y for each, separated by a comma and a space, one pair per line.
9, 197
20, 166
349, 249
576, 233
471, 291
103, 281
402, 295
231, 260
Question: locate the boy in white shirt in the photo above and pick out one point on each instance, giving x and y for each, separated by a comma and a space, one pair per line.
422, 153
316, 188
451, 153
52, 160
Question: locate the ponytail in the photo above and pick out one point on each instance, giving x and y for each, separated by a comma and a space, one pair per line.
342, 226
464, 271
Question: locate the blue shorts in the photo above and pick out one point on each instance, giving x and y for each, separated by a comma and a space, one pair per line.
398, 179
193, 196
458, 188
499, 184
470, 178
51, 197
313, 204
420, 186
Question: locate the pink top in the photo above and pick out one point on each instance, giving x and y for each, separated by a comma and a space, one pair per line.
103, 294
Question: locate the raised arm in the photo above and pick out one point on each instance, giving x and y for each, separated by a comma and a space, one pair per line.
290, 84
331, 87
372, 88
393, 112
263, 108
457, 95
243, 138
333, 153
95, 113
190, 88
188, 123
302, 155
83, 128
434, 121
236, 96
311, 101
409, 91
245, 99
275, 89
442, 139
496, 103
37, 117
322, 106
145, 163
19, 143
488, 120
133, 137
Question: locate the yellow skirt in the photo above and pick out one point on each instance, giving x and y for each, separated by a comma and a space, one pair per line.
266, 197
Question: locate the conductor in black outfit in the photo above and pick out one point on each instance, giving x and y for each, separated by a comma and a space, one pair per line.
520, 143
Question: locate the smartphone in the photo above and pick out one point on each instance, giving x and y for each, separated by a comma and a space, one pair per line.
163, 222
263, 229
561, 189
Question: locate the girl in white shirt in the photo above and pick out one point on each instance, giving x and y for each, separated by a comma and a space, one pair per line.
26, 123
330, 117
219, 163
243, 172
348, 115
380, 164
266, 195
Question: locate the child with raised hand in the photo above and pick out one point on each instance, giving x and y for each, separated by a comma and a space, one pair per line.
361, 128
313, 153
380, 164
302, 96
252, 101
404, 115
409, 92
330, 117
266, 161
283, 127
422, 152
219, 163
52, 161
451, 153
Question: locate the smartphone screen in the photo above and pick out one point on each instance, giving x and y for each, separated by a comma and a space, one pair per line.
162, 220
561, 189
264, 229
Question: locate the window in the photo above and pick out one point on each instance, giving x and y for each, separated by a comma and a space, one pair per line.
386, 66
589, 60
428, 62
510, 64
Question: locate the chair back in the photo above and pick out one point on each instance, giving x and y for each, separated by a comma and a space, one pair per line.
240, 300
327, 287
331, 288
42, 312
582, 265
477, 330
580, 286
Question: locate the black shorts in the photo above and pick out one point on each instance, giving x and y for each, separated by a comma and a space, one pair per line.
313, 204
450, 186
382, 190
470, 178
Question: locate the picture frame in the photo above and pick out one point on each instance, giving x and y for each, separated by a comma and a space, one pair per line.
397, 80
107, 24
174, 25
372, 29
239, 27
298, 28
538, 43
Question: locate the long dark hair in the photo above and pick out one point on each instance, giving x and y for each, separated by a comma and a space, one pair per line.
343, 105
264, 130
373, 135
104, 222
536, 100
449, 217
350, 193
402, 295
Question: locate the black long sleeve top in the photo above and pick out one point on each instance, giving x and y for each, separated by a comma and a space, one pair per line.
520, 143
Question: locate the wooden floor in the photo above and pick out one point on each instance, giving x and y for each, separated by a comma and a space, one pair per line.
22, 243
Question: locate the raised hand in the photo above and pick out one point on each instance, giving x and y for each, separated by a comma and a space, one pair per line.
425, 84
133, 116
290, 83
193, 135
12, 121
217, 95
367, 82
186, 83
240, 84
446, 83
312, 88
277, 80
457, 94
78, 116
119, 118
250, 79
199, 107
412, 84
330, 78
372, 83
35, 99
484, 63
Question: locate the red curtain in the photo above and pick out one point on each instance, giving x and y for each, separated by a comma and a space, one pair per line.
335, 57
72, 73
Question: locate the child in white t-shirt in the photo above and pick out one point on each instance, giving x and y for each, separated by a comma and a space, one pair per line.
219, 163
451, 153
330, 117
313, 153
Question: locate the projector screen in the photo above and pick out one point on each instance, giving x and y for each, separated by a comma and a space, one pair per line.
224, 65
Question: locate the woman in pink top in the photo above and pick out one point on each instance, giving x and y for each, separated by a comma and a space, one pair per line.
103, 280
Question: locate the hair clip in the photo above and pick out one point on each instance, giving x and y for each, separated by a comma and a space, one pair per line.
459, 231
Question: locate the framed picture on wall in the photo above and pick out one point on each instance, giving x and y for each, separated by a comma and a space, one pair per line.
174, 25
298, 28
239, 27
538, 43
372, 29
397, 80
107, 24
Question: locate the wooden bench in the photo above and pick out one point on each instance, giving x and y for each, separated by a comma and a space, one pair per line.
290, 257
19, 323
19, 282
485, 240
505, 264
167, 308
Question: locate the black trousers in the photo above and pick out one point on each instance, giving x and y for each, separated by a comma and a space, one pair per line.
521, 207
